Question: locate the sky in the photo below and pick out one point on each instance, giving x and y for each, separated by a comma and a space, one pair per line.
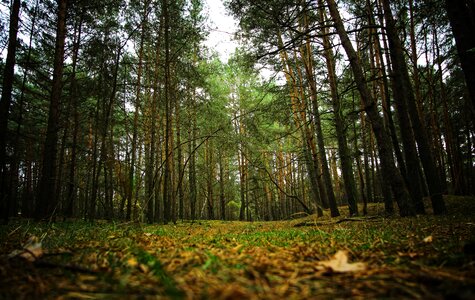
222, 29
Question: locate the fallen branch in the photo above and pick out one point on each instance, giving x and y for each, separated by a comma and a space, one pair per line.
352, 219
73, 268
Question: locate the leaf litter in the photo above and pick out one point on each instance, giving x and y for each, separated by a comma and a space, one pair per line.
418, 258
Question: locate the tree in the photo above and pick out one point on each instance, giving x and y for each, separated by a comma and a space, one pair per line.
5, 102
403, 85
47, 200
390, 173
344, 153
462, 18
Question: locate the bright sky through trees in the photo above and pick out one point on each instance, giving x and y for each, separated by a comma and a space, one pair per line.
222, 29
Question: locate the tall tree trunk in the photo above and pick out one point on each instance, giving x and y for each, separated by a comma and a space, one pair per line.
26, 202
242, 175
150, 165
462, 19
222, 199
47, 198
192, 153
401, 74
210, 179
318, 128
138, 90
453, 154
71, 187
343, 151
316, 183
167, 176
360, 169
180, 167
380, 65
5, 102
390, 173
409, 144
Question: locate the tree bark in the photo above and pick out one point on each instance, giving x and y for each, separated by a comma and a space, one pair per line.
402, 77
390, 173
311, 160
307, 59
138, 90
461, 14
5, 102
343, 151
222, 199
47, 200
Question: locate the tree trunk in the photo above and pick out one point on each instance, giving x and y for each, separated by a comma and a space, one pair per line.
318, 128
132, 179
71, 187
461, 14
390, 173
47, 198
316, 184
409, 144
5, 102
26, 202
242, 176
402, 75
222, 199
343, 151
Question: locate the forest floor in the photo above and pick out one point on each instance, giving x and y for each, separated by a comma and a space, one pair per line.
425, 257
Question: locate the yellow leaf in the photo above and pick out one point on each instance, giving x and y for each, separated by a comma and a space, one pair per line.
339, 263
132, 262
428, 239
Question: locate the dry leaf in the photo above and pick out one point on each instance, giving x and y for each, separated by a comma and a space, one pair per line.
132, 262
339, 263
428, 239
144, 268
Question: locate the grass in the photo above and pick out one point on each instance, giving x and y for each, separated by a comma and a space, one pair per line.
421, 257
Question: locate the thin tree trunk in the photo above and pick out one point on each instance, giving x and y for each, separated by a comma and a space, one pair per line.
343, 151
71, 187
318, 128
180, 166
390, 173
192, 153
132, 178
309, 148
222, 199
167, 176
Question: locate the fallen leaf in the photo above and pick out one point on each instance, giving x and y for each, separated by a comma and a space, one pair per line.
408, 254
132, 262
428, 239
339, 263
144, 268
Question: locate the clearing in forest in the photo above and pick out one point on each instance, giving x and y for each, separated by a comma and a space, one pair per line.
428, 257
